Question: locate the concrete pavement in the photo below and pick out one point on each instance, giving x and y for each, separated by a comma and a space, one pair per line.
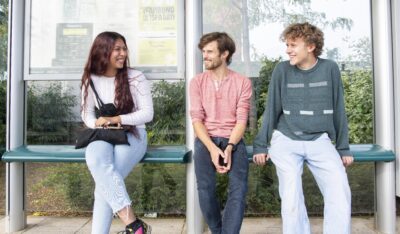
81, 225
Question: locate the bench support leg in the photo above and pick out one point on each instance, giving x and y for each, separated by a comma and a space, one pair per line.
385, 198
15, 197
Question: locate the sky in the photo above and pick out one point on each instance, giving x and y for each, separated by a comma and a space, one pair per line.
357, 10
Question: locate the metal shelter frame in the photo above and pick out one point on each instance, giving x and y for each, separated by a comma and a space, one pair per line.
386, 54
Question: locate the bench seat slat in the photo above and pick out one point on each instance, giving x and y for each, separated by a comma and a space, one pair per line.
361, 153
163, 154
68, 153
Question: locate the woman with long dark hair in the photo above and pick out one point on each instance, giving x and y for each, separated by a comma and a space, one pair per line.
108, 69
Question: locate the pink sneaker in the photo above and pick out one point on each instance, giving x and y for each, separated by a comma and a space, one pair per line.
137, 227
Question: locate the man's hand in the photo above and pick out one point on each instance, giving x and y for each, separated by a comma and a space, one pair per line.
347, 160
260, 159
215, 153
227, 159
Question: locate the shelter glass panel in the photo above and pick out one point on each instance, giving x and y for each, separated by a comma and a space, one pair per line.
66, 189
61, 32
53, 112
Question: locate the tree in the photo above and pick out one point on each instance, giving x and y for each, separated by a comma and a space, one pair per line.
239, 16
361, 54
288, 12
3, 36
332, 54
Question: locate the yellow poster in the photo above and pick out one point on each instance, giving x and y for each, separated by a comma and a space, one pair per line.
157, 15
157, 34
157, 52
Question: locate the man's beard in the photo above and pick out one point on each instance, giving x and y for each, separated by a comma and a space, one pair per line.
214, 65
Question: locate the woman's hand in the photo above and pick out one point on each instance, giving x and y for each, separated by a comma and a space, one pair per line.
106, 121
102, 122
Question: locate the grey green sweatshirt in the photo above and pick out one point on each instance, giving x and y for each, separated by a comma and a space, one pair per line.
303, 104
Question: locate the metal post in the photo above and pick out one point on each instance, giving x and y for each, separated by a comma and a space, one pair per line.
15, 177
385, 211
193, 30
396, 68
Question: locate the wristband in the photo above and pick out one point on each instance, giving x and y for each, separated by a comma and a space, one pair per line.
233, 146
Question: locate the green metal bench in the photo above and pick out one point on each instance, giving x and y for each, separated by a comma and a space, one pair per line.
163, 154
67, 153
361, 153
180, 154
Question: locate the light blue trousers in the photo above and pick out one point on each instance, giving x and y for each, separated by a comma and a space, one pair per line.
109, 165
327, 168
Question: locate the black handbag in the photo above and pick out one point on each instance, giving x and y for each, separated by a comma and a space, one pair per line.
112, 135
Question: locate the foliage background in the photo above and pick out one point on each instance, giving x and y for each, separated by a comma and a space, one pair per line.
68, 187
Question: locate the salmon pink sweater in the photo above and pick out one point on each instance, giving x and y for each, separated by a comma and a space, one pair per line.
220, 107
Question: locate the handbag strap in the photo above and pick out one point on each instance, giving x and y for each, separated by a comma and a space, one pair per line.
95, 93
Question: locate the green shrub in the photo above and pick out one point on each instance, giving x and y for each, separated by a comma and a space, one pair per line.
261, 86
50, 114
358, 89
168, 125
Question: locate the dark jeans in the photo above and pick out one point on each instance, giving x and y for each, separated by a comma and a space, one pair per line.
232, 218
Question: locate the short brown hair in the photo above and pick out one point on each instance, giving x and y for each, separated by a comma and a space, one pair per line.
310, 33
224, 41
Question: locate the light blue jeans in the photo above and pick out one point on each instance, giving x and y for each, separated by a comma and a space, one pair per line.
109, 165
327, 168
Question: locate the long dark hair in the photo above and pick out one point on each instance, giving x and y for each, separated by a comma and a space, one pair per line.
97, 63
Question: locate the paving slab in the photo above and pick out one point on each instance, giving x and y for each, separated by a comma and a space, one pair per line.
32, 221
359, 225
261, 225
2, 224
56, 225
82, 225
